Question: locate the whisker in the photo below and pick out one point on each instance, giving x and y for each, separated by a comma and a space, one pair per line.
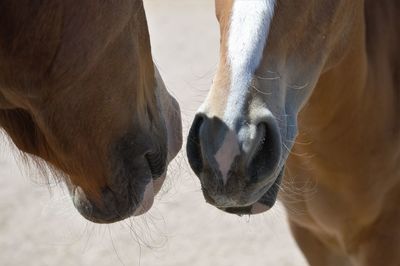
266, 78
264, 93
297, 87
303, 155
113, 246
295, 141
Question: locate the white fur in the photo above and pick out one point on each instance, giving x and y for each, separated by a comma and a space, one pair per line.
248, 33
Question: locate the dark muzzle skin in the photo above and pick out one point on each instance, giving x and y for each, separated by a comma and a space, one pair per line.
241, 180
137, 164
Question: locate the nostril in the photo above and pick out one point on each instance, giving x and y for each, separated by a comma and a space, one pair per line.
193, 148
266, 152
157, 163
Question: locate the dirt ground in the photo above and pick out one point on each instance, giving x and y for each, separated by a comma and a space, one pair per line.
41, 227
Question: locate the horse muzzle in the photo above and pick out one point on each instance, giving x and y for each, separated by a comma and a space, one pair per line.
139, 166
240, 166
113, 206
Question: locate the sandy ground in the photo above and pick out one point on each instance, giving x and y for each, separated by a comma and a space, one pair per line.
42, 228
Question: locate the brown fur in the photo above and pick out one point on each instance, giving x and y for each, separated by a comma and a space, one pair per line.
348, 144
352, 126
77, 86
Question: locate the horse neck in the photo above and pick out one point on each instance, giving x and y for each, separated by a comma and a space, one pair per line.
352, 113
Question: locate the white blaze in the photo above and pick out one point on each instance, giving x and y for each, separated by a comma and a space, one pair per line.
248, 33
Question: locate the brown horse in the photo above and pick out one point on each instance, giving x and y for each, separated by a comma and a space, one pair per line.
78, 89
328, 72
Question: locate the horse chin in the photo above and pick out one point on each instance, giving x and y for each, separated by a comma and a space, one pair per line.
265, 203
92, 211
112, 208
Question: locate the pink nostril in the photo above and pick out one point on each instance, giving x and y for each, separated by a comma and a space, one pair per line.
225, 156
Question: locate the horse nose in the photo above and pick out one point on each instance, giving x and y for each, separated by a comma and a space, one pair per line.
250, 151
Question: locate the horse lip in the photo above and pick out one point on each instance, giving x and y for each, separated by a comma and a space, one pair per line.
147, 200
263, 204
92, 212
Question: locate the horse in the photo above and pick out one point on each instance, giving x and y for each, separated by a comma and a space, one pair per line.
305, 103
79, 91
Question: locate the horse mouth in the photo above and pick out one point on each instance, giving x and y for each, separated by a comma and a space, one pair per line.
119, 201
151, 190
158, 170
265, 203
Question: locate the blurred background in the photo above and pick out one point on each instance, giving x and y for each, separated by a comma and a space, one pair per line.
40, 226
